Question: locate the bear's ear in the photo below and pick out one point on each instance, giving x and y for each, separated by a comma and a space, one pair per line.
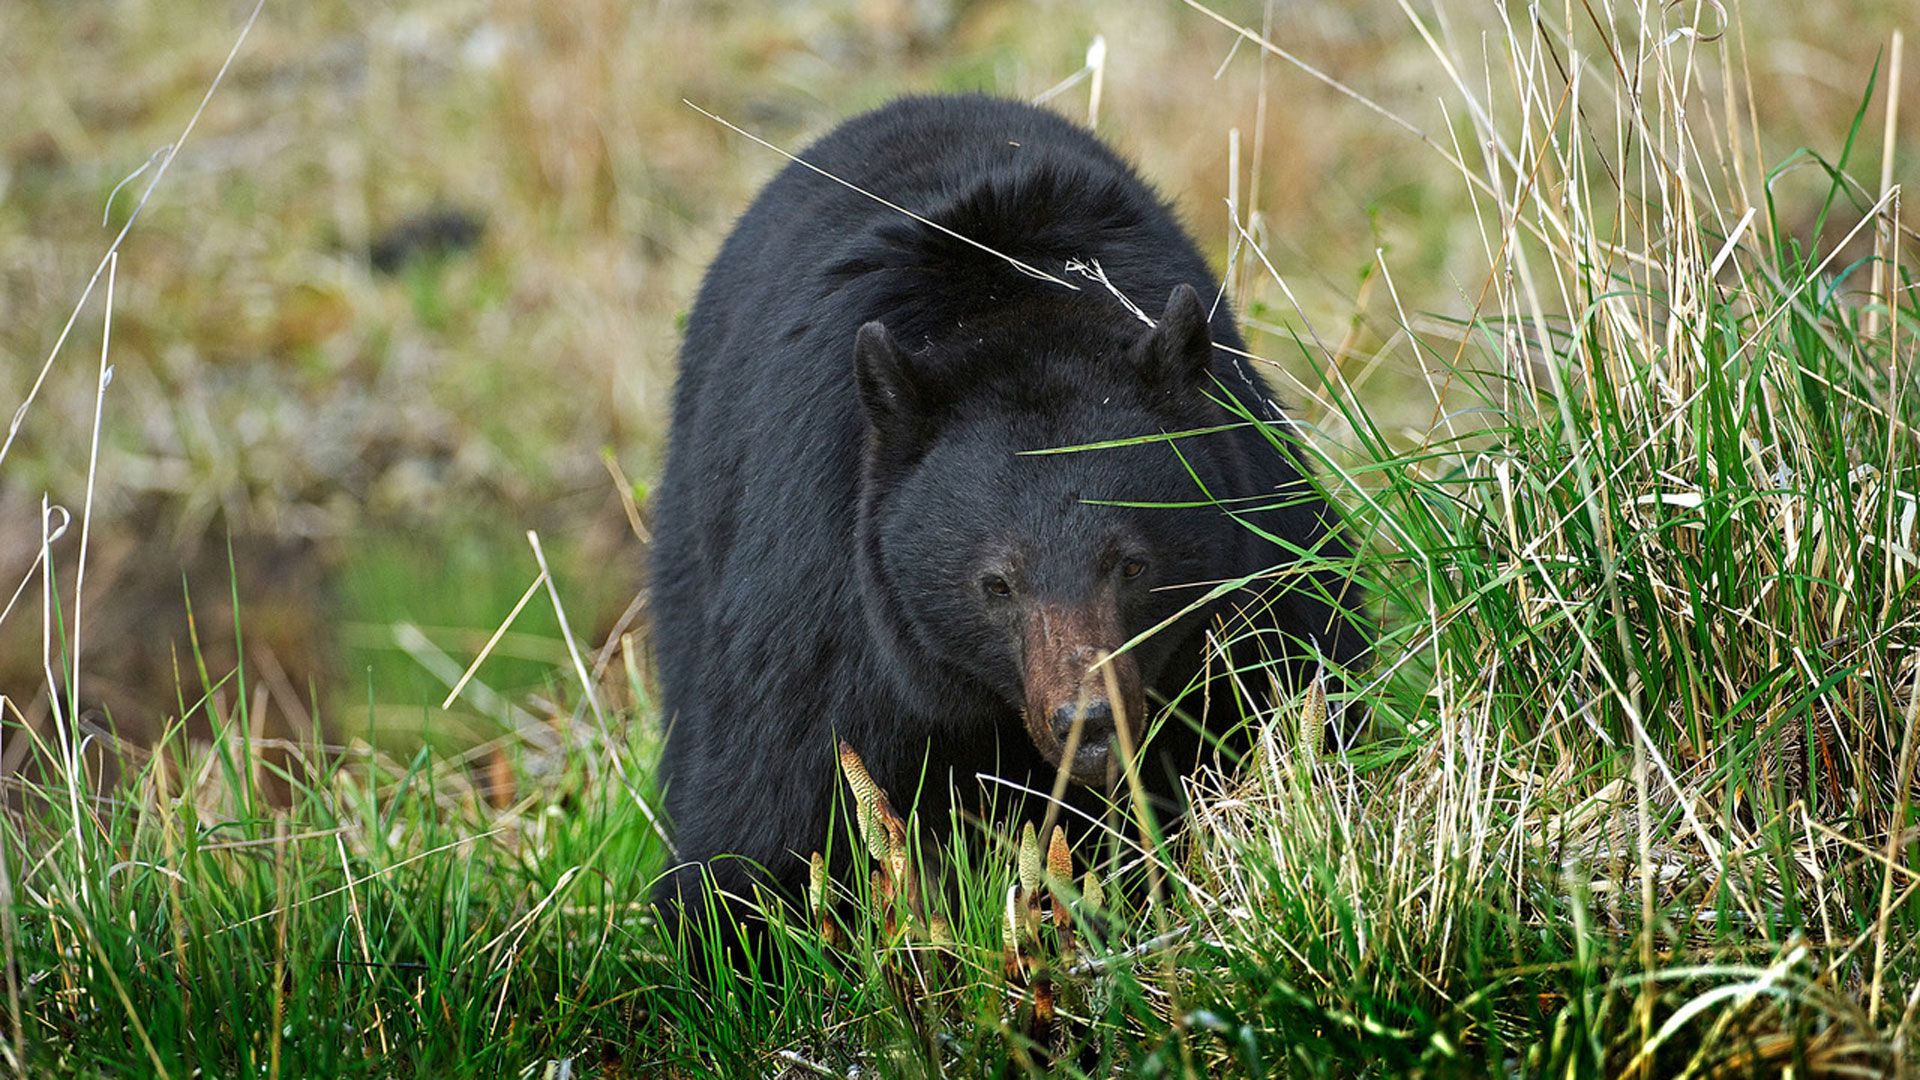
1179, 351
887, 391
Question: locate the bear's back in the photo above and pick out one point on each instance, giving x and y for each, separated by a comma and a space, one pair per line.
1014, 193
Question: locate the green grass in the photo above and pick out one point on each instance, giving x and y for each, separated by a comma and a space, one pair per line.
1640, 801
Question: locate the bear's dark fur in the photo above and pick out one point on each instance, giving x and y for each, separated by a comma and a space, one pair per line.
851, 540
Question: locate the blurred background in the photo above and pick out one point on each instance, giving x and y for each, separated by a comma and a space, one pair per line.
413, 285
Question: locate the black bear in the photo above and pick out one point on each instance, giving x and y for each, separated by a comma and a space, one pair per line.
855, 539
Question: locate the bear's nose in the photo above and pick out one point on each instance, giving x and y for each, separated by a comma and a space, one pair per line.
1090, 757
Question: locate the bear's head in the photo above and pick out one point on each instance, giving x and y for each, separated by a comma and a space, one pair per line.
1023, 515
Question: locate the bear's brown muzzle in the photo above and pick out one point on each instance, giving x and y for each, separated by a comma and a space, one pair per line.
1068, 685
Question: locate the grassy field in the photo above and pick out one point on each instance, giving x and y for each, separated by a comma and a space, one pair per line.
1603, 323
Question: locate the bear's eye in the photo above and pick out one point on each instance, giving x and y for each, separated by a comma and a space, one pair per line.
995, 585
1132, 568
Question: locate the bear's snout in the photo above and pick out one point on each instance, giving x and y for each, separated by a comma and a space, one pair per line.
1071, 681
1095, 748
